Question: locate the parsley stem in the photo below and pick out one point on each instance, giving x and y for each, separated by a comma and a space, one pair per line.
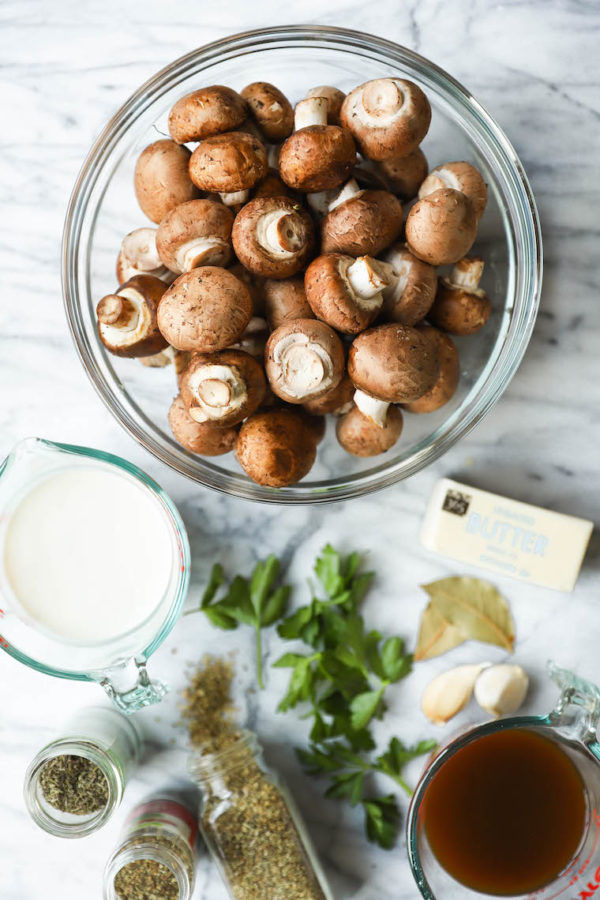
259, 665
402, 783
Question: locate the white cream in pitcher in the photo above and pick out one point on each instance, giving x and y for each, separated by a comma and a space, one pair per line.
88, 554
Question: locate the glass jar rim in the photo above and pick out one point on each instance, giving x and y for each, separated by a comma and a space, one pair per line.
166, 856
207, 765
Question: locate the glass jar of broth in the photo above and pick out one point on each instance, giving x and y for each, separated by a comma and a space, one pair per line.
76, 782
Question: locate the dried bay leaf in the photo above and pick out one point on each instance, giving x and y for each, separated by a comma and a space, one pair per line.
474, 607
436, 634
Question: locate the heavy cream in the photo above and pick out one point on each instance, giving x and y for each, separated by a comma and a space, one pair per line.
88, 554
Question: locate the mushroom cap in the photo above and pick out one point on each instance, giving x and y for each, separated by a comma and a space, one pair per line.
191, 221
285, 300
276, 447
255, 285
230, 162
363, 225
459, 310
332, 299
460, 176
334, 98
162, 179
205, 438
337, 401
360, 436
317, 158
204, 310
393, 362
405, 174
138, 256
298, 233
316, 423
387, 117
145, 291
246, 371
411, 298
273, 186
309, 354
441, 228
202, 113
445, 387
270, 109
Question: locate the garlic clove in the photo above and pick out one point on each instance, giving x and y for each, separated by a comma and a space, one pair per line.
450, 692
501, 690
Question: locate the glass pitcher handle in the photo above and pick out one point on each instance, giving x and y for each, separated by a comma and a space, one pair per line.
130, 687
578, 707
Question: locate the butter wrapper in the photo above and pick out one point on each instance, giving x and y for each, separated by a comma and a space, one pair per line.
505, 536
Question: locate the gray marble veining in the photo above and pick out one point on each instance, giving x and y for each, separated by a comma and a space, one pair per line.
64, 68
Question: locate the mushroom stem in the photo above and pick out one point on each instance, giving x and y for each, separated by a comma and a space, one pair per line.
319, 201
311, 111
118, 312
349, 190
467, 273
202, 252
217, 391
373, 409
305, 365
139, 248
397, 278
364, 279
279, 233
234, 198
382, 98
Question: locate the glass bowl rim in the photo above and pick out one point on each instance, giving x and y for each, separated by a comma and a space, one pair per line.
529, 241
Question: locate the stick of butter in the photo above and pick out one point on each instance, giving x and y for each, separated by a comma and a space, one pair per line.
505, 536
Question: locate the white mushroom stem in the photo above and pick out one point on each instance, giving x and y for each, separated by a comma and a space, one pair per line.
397, 274
365, 281
217, 391
312, 111
273, 151
159, 360
349, 190
205, 251
319, 201
139, 248
279, 233
234, 198
123, 318
305, 366
467, 273
382, 100
373, 409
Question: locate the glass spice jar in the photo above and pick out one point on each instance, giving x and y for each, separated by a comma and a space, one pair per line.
155, 859
75, 783
251, 825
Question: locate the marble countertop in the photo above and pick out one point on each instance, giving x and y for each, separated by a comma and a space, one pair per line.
65, 67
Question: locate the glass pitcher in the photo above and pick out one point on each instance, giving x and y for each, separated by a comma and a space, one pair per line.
572, 725
118, 664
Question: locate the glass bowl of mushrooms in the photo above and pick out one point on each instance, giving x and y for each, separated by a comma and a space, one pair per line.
328, 264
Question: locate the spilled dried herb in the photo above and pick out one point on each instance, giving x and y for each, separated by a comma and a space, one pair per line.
73, 784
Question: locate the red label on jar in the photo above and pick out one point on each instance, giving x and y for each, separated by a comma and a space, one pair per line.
165, 814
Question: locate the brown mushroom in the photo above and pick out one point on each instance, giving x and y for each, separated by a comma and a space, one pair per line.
447, 383
337, 401
441, 228
255, 285
127, 319
393, 363
162, 179
345, 292
223, 387
316, 423
204, 310
276, 447
303, 359
273, 237
229, 163
138, 256
361, 222
205, 438
270, 109
461, 306
196, 233
253, 339
412, 285
387, 117
405, 174
317, 156
273, 186
206, 112
360, 436
460, 176
334, 98
285, 300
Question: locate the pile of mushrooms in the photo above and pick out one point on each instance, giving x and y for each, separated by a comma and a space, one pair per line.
283, 281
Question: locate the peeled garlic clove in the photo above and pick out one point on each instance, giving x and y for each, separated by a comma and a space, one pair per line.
500, 690
450, 692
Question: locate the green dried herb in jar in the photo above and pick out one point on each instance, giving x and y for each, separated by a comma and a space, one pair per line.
155, 859
74, 785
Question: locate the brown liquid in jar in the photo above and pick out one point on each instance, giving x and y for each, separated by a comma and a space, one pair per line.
506, 814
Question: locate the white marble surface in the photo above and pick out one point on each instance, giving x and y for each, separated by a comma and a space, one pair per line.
65, 67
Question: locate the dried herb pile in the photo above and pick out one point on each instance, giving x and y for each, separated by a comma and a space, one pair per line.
146, 879
73, 784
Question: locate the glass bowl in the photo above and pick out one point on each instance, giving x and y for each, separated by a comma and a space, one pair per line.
103, 209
